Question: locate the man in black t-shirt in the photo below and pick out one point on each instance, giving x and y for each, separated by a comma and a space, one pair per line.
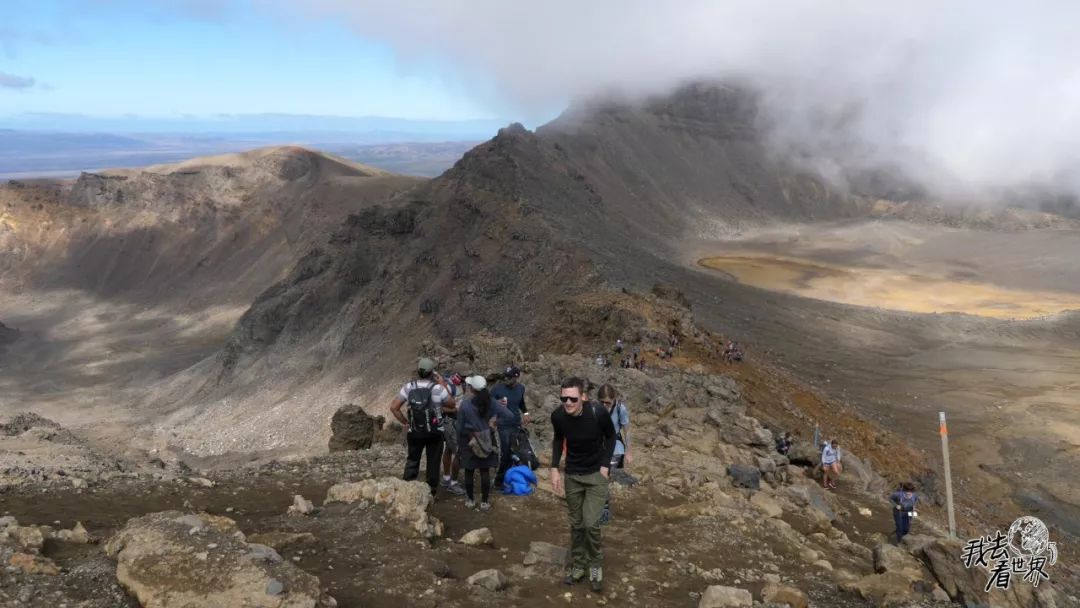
585, 431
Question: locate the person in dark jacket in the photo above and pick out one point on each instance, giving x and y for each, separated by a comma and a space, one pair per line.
585, 431
783, 444
511, 413
903, 501
476, 416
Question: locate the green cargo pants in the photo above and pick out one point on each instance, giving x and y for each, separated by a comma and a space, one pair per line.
585, 496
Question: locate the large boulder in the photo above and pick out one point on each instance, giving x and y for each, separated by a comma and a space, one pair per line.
766, 504
173, 560
719, 596
406, 501
890, 558
966, 586
352, 428
492, 580
478, 537
862, 476
888, 589
803, 453
774, 593
811, 496
744, 430
27, 538
745, 476
547, 554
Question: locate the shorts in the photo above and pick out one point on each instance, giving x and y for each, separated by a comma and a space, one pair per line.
450, 434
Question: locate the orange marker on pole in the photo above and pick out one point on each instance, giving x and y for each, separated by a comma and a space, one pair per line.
944, 431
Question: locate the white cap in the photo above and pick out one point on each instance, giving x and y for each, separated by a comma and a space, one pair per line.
477, 382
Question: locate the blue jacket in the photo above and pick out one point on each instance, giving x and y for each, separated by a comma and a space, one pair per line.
519, 481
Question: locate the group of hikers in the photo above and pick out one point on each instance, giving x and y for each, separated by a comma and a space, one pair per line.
830, 458
477, 429
454, 422
460, 424
903, 500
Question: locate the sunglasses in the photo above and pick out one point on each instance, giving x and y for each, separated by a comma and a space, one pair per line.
569, 399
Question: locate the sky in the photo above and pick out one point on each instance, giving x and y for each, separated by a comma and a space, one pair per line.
966, 96
177, 59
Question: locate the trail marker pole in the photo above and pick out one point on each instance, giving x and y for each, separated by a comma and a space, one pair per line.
943, 429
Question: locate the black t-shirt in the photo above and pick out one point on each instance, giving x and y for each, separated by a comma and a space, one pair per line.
589, 439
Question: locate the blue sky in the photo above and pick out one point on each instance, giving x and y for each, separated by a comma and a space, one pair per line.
204, 58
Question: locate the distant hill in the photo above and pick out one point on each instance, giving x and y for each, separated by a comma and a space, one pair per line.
30, 154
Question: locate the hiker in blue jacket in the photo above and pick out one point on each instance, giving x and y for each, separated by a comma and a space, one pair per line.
903, 501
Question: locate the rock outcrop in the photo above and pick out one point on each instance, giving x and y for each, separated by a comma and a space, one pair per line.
406, 501
352, 428
718, 596
177, 560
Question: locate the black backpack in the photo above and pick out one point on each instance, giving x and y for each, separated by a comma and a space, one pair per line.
521, 449
424, 415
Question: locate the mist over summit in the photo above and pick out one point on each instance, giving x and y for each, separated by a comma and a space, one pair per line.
966, 98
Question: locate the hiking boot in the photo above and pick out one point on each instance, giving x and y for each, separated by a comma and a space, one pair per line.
470, 504
455, 488
485, 507
574, 576
596, 579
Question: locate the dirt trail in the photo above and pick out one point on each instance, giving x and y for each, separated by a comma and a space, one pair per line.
361, 560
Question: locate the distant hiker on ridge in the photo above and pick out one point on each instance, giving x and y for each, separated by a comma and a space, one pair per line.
428, 398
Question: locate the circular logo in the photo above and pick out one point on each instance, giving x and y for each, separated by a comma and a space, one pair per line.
1028, 537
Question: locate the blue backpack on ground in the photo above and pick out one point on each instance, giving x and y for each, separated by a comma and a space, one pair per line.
519, 481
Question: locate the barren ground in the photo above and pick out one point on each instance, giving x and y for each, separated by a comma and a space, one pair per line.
991, 343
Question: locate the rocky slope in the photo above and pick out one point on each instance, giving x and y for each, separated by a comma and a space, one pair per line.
119, 279
708, 511
207, 231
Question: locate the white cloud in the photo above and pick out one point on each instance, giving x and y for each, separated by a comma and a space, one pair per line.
970, 95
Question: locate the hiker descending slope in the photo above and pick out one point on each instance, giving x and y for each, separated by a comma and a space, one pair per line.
586, 431
427, 398
830, 463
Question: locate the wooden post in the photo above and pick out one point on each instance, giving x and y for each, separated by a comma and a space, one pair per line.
944, 431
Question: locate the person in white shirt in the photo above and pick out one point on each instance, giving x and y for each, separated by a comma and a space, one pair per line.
427, 398
830, 463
